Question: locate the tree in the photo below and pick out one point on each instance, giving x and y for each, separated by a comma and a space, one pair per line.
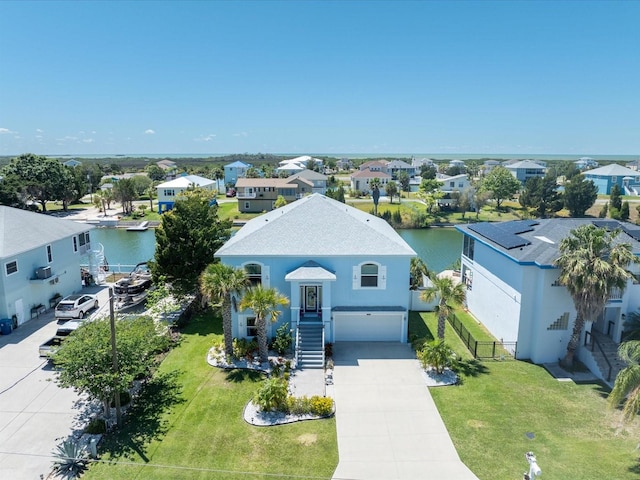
340, 193
391, 190
591, 266
429, 191
151, 193
155, 173
264, 303
85, 358
428, 171
42, 179
579, 195
218, 283
375, 184
438, 355
501, 183
280, 202
447, 292
124, 191
626, 388
465, 200
624, 211
403, 180
615, 198
187, 239
417, 269
480, 199
541, 194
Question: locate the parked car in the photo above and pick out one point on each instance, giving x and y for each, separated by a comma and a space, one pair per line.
231, 192
48, 348
76, 306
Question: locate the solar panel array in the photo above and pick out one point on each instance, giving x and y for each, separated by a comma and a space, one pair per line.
611, 225
505, 234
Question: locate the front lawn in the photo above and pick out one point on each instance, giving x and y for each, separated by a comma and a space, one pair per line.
498, 406
193, 427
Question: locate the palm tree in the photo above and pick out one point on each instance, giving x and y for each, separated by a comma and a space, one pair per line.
375, 193
448, 292
417, 268
591, 266
218, 283
264, 302
627, 385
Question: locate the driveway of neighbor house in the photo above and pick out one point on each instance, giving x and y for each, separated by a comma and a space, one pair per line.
35, 414
388, 425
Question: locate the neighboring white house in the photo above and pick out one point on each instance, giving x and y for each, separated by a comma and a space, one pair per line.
374, 166
451, 185
417, 163
513, 289
169, 191
457, 163
584, 163
40, 256
345, 272
360, 180
234, 171
298, 164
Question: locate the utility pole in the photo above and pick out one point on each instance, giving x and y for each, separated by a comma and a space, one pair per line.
114, 352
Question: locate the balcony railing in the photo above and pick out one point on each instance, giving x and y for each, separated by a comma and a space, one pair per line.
615, 295
243, 195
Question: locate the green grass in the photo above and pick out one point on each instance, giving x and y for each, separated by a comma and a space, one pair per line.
193, 426
576, 435
230, 210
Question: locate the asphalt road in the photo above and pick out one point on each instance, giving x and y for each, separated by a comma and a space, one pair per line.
35, 414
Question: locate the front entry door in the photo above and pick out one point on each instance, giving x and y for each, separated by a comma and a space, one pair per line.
311, 299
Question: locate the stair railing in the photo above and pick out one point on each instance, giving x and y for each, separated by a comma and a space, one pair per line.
591, 340
297, 350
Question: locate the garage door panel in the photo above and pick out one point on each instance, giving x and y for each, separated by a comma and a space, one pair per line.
367, 328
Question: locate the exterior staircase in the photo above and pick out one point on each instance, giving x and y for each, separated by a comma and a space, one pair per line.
310, 344
610, 351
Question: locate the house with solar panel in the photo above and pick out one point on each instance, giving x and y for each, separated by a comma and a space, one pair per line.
40, 256
513, 289
345, 272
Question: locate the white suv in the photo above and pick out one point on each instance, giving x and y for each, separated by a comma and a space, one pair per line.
76, 306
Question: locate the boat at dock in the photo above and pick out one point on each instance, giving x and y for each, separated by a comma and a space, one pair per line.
133, 289
141, 227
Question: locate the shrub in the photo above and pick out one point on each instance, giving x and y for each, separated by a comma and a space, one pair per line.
283, 340
96, 427
438, 355
243, 347
70, 459
322, 406
299, 405
328, 349
272, 395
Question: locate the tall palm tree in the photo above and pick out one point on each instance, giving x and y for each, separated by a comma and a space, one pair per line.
627, 385
218, 282
591, 266
264, 302
375, 184
448, 292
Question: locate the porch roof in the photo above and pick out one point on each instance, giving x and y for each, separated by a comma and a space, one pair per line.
310, 271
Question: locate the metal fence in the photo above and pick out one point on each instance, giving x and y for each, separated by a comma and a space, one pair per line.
482, 349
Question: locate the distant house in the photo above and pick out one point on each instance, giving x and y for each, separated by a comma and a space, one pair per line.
345, 273
169, 191
344, 164
585, 163
634, 165
167, 164
451, 185
40, 256
526, 169
256, 195
394, 167
318, 180
606, 177
417, 163
457, 163
360, 180
512, 286
375, 166
489, 165
298, 164
73, 163
234, 171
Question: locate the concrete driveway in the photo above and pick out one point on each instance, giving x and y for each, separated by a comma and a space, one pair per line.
35, 414
388, 425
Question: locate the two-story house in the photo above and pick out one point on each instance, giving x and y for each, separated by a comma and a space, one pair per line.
256, 195
234, 171
40, 257
361, 179
606, 177
168, 191
318, 180
344, 271
526, 169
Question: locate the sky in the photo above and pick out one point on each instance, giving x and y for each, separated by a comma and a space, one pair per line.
136, 77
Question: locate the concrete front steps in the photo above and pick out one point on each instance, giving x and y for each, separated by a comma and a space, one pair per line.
610, 349
310, 347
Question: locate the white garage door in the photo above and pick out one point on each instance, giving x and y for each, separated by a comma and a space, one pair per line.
363, 327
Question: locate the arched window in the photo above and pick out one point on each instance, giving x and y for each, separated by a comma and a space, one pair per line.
254, 273
369, 275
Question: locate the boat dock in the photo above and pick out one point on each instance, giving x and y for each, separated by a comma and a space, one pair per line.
141, 227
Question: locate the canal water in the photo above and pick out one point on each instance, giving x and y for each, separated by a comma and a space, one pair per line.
438, 247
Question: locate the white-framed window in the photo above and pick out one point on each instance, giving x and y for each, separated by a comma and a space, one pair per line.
257, 273
75, 244
169, 192
247, 205
82, 239
369, 275
252, 331
49, 254
11, 267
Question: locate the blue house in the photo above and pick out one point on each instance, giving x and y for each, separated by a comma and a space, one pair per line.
345, 272
526, 169
169, 191
40, 257
234, 171
606, 177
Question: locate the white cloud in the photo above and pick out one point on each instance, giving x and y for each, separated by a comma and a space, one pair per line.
88, 140
6, 131
149, 132
68, 138
39, 130
241, 134
205, 138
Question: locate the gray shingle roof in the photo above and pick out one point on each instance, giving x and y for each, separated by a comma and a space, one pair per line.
316, 226
611, 170
21, 230
545, 239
